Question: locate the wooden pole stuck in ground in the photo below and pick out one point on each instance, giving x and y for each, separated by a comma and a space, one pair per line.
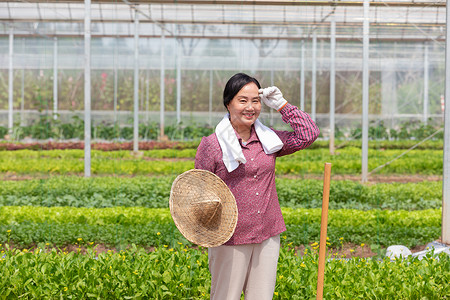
323, 230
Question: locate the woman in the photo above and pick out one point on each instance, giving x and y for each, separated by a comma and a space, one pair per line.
242, 152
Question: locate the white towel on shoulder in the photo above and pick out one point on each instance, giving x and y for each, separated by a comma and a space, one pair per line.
232, 154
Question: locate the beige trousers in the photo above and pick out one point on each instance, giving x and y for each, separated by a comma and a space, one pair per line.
250, 268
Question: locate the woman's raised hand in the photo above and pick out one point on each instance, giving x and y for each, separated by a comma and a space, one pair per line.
272, 97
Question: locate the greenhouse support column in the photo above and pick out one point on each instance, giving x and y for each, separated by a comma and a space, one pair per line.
147, 97
142, 93
178, 82
55, 78
10, 80
425, 84
332, 83
162, 87
136, 83
22, 92
365, 95
446, 165
115, 80
22, 99
271, 84
87, 88
210, 96
302, 77
314, 71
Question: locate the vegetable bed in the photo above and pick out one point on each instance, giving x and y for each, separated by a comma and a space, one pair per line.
182, 273
27, 225
154, 192
170, 162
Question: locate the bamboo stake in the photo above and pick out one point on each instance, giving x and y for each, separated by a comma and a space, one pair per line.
323, 230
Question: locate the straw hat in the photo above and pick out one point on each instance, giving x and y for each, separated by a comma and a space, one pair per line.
203, 208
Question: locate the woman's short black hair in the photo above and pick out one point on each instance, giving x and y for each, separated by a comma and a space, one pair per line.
235, 84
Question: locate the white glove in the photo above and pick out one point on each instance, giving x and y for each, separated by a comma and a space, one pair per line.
272, 97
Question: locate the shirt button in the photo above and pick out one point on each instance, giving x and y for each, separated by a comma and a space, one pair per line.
252, 159
259, 212
254, 176
257, 194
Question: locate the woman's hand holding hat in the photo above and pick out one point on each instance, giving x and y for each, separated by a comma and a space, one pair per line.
272, 97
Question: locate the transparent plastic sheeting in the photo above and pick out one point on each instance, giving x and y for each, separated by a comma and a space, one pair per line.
208, 43
226, 21
219, 54
397, 74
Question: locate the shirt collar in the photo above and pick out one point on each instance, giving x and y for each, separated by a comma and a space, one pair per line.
253, 137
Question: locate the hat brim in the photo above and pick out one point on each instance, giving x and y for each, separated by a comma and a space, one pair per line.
203, 208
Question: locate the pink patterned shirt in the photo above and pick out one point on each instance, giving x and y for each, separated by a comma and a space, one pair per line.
253, 183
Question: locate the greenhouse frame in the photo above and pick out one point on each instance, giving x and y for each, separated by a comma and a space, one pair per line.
350, 64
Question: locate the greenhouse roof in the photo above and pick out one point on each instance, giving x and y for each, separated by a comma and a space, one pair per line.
389, 20
257, 2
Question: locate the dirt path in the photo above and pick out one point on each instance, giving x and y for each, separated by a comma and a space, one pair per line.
348, 250
372, 179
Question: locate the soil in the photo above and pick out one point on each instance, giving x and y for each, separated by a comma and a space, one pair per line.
83, 249
170, 159
373, 179
348, 250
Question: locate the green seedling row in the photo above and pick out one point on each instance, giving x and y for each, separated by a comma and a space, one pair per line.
170, 162
154, 192
181, 272
26, 225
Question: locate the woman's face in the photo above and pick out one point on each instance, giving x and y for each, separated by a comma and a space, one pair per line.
245, 107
